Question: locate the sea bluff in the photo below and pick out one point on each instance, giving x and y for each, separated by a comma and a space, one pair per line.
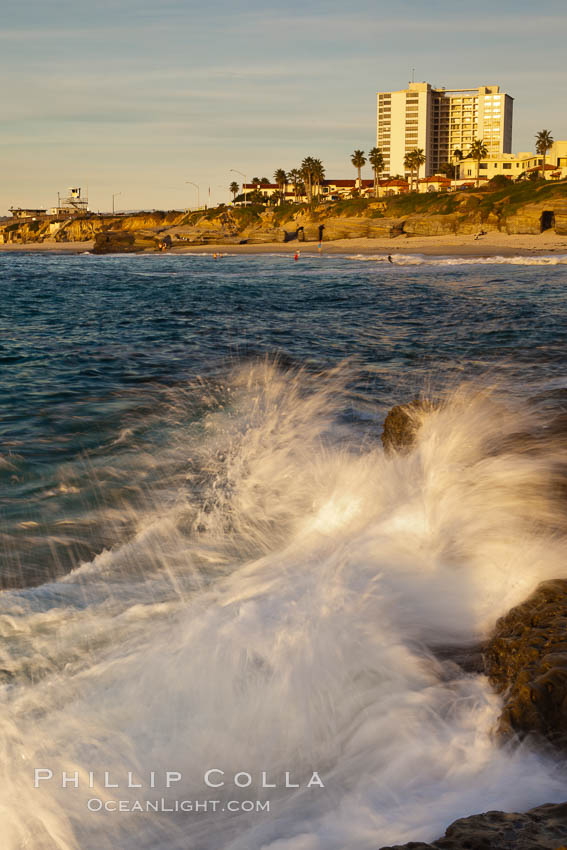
400, 222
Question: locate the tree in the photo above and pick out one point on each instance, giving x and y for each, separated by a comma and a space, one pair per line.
280, 177
359, 161
448, 169
409, 166
478, 151
419, 160
544, 141
307, 167
318, 175
376, 159
295, 176
413, 162
499, 181
234, 189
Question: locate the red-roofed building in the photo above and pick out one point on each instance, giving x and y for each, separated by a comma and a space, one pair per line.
435, 183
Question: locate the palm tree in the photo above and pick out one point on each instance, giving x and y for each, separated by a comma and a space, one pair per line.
318, 174
457, 158
544, 141
478, 151
409, 166
359, 161
295, 176
307, 167
234, 188
376, 159
280, 177
413, 162
419, 159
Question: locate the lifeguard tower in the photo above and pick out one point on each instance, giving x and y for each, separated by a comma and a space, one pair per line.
73, 204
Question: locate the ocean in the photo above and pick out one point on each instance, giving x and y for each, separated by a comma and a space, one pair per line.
216, 588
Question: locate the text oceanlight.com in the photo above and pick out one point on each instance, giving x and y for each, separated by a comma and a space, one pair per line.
95, 804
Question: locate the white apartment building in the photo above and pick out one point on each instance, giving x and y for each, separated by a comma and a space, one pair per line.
441, 121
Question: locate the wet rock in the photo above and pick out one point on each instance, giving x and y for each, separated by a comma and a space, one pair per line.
542, 828
526, 660
402, 424
469, 659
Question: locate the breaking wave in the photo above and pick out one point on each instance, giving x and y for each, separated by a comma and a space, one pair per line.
277, 609
421, 260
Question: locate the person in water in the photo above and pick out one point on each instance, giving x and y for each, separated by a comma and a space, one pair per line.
296, 256
390, 260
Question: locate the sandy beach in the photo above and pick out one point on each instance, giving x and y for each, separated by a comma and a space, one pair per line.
491, 245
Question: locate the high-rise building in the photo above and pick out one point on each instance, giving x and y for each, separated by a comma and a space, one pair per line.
440, 121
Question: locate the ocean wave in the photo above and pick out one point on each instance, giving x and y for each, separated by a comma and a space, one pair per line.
422, 260
277, 613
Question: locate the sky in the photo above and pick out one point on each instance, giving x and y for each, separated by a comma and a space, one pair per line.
138, 97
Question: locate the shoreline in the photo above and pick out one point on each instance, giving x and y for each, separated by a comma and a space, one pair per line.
493, 244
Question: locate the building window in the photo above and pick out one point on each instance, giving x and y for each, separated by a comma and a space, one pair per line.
508, 165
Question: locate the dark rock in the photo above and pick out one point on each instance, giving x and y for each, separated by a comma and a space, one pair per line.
402, 424
468, 658
543, 828
113, 242
526, 660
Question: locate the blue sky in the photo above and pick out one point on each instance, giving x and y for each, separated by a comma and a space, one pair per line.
138, 96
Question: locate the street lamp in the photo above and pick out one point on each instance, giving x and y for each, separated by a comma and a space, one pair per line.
198, 193
242, 175
115, 195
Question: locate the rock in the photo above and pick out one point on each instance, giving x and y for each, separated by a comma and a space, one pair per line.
528, 219
402, 424
386, 227
431, 225
343, 227
542, 828
120, 242
526, 660
111, 241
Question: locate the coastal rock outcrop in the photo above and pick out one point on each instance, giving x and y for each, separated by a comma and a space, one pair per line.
526, 660
402, 424
121, 242
526, 220
386, 227
534, 218
431, 225
542, 828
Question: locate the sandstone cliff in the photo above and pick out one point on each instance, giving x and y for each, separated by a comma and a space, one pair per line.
517, 208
